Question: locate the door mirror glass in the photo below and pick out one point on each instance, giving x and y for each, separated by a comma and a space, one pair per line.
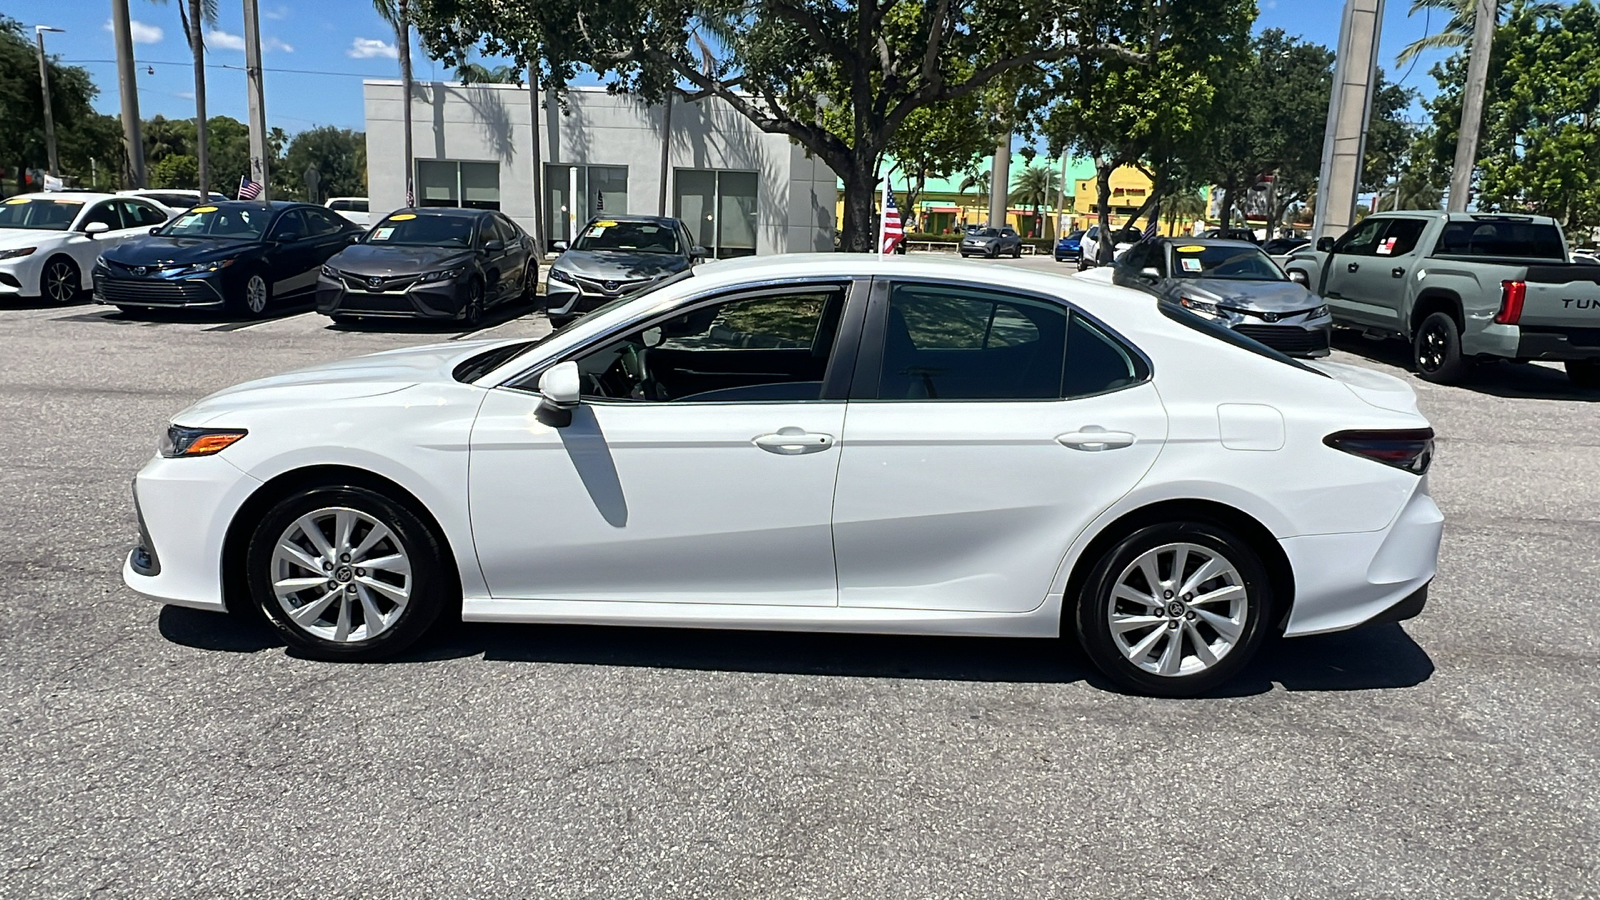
288, 237
1324, 244
494, 246
559, 246
1149, 273
697, 254
560, 386
94, 228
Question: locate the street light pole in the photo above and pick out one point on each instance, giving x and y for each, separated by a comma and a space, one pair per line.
1483, 25
44, 87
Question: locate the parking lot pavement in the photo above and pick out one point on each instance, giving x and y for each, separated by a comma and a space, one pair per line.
156, 752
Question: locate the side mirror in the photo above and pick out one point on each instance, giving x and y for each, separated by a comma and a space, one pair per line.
1325, 245
155, 230
287, 237
353, 237
560, 387
559, 246
494, 246
1150, 274
698, 254
94, 228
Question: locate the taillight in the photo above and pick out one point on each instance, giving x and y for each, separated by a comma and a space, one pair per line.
1512, 293
1409, 449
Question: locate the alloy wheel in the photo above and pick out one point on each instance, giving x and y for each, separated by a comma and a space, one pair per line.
1434, 346
1178, 609
60, 281
341, 575
255, 294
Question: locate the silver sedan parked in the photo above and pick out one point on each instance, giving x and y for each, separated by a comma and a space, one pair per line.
1234, 284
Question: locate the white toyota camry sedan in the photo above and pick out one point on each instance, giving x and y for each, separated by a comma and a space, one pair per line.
825, 442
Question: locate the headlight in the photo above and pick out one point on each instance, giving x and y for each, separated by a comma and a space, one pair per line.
179, 441
1200, 306
559, 275
1319, 312
204, 268
330, 271
442, 275
16, 252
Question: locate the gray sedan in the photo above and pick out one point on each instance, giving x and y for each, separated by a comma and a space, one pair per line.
615, 257
1233, 284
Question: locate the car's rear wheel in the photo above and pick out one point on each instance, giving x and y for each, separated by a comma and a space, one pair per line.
345, 573
60, 281
1174, 610
1584, 373
1436, 350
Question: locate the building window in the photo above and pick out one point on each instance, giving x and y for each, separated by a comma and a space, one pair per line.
474, 185
575, 194
719, 207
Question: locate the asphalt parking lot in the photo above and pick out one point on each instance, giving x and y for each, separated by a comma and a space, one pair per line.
159, 752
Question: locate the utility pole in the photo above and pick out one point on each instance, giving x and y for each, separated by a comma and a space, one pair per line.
1061, 200
258, 105
539, 223
197, 48
128, 88
666, 154
1483, 25
44, 87
999, 181
1355, 73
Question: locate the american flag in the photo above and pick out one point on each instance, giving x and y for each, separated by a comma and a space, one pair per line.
1150, 231
248, 190
893, 231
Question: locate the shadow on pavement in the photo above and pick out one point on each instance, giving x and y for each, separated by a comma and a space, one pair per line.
1498, 378
1381, 656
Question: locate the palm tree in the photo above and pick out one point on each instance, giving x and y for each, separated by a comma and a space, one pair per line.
1457, 31
478, 73
1035, 186
195, 15
398, 14
976, 181
1185, 207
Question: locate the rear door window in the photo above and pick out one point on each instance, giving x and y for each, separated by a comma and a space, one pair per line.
959, 343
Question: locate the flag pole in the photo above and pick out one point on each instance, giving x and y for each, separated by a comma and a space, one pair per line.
883, 210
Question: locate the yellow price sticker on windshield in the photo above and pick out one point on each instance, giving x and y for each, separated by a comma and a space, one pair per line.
1192, 248
402, 217
605, 224
203, 209
15, 200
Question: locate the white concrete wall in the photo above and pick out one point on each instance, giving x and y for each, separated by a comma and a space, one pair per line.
490, 123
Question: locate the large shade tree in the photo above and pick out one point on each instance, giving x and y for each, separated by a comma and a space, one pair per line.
86, 141
841, 79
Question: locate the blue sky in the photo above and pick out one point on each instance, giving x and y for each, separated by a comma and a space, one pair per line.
317, 52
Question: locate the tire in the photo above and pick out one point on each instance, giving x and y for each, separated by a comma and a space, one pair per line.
253, 296
60, 282
1436, 351
1584, 373
336, 624
1017, 253
472, 310
1165, 659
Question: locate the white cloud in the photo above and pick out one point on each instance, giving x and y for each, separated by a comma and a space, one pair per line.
371, 48
224, 40
142, 33
277, 12
186, 95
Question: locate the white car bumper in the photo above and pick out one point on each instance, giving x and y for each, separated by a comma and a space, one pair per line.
185, 506
19, 277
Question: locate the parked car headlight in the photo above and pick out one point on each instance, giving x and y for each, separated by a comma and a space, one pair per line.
559, 275
1319, 312
15, 252
330, 271
178, 441
442, 274
1204, 307
204, 268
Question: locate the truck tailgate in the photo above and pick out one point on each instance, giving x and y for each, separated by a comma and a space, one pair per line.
1562, 296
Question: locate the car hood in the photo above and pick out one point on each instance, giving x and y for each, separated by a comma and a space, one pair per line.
26, 237
1265, 296
618, 266
346, 379
367, 259
1070, 243
154, 250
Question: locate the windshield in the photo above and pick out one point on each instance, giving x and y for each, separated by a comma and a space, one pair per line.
422, 230
1076, 235
633, 237
347, 205
986, 232
47, 214
238, 223
1231, 263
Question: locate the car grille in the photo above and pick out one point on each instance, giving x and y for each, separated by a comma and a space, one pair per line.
176, 293
1287, 339
611, 288
378, 284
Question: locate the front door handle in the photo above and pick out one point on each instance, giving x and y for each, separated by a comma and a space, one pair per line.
1352, 267
1093, 439
793, 441
1398, 271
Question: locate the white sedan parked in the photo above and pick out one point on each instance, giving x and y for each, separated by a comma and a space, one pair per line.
49, 241
814, 443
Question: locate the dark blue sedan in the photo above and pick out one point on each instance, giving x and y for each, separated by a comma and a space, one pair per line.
1070, 247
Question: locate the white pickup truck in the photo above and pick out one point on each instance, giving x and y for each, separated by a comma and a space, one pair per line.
1461, 287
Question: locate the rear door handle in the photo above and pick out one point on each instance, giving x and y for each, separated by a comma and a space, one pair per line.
793, 441
1398, 271
1352, 267
1093, 439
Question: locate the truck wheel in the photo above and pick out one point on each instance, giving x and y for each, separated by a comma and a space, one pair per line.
1584, 373
1436, 351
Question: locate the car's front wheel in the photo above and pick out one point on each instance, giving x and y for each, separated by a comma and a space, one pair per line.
1174, 610
60, 282
345, 573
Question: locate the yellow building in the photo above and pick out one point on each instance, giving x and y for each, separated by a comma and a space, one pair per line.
1130, 188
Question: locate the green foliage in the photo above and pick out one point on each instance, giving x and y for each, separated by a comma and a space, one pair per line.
340, 156
176, 171
82, 135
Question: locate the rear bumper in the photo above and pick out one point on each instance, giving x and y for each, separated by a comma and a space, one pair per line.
1531, 342
1346, 580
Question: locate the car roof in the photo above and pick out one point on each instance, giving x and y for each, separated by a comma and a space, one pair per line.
651, 220
75, 196
1207, 242
454, 212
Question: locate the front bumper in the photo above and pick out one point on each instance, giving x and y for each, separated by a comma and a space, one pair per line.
1304, 340
1346, 580
158, 290
402, 298
1063, 254
20, 275
184, 507
566, 299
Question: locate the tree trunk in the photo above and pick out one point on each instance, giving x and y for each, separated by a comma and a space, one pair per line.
403, 40
1105, 247
859, 234
197, 46
1227, 205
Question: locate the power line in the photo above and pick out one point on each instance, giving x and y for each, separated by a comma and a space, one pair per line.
189, 65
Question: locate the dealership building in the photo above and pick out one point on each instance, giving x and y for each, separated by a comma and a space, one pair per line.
740, 190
